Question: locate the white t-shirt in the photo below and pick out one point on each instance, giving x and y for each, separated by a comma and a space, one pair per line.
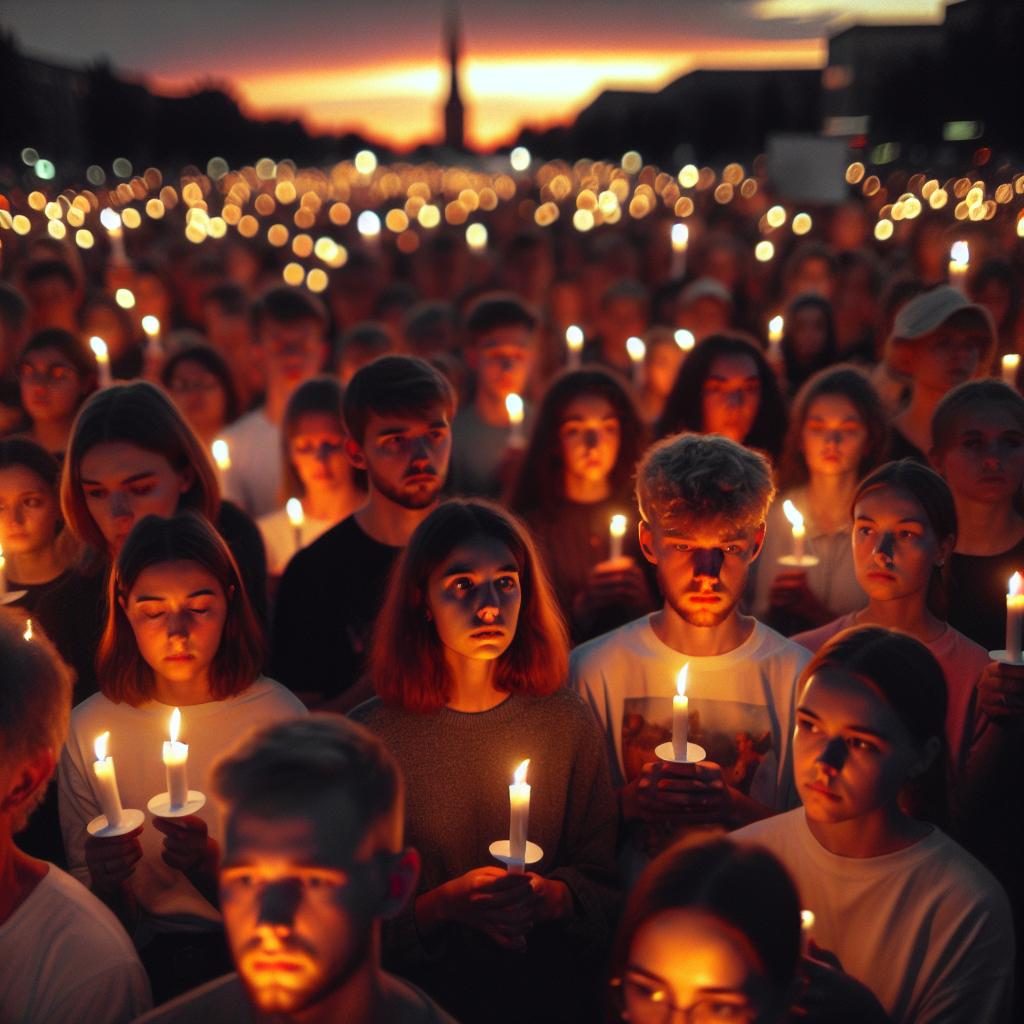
280, 541
926, 928
64, 957
253, 481
168, 898
741, 703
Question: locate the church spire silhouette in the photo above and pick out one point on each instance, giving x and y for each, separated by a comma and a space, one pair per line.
454, 111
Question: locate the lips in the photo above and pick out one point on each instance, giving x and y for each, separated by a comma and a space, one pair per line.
885, 577
487, 634
421, 478
817, 787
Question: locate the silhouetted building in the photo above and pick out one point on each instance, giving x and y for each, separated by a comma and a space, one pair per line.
454, 111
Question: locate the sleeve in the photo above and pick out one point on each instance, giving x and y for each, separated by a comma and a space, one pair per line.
77, 806
116, 996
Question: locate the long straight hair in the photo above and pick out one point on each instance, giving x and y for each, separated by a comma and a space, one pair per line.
407, 663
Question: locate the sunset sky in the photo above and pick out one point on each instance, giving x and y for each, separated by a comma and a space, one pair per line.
379, 67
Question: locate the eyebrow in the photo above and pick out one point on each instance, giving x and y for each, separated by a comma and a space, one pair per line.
205, 592
404, 429
133, 479
908, 519
462, 569
747, 379
863, 729
705, 989
679, 534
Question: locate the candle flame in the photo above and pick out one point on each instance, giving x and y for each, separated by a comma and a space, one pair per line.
680, 237
792, 513
636, 348
99, 347
514, 407
519, 776
1016, 585
28, 634
685, 339
775, 326
151, 325
806, 920
175, 726
110, 219
100, 746
960, 254
294, 509
221, 453
617, 527
1011, 361
574, 337
681, 680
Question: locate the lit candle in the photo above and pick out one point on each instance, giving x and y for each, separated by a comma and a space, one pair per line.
685, 339
681, 716
106, 782
806, 928
176, 762
99, 350
1011, 364
1014, 617
637, 350
616, 531
111, 220
775, 328
221, 454
296, 516
680, 241
796, 520
959, 264
3, 573
519, 802
515, 410
28, 634
154, 343
574, 343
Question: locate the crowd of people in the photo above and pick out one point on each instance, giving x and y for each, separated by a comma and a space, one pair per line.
377, 545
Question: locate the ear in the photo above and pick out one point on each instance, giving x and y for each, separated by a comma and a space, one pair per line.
26, 780
401, 879
124, 604
945, 550
929, 752
354, 453
187, 477
758, 547
646, 538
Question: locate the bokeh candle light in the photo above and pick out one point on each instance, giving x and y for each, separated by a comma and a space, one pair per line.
959, 264
296, 516
637, 350
516, 412
574, 344
616, 531
99, 350
1010, 366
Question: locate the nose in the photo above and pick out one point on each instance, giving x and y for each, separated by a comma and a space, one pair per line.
120, 506
590, 439
177, 624
833, 756
323, 453
735, 399
489, 607
884, 547
279, 902
708, 562
991, 460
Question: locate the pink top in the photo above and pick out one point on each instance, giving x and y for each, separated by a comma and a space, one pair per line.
962, 661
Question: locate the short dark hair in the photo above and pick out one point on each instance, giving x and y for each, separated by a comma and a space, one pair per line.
498, 309
288, 305
319, 394
275, 771
67, 344
40, 270
230, 297
213, 363
394, 386
185, 537
407, 664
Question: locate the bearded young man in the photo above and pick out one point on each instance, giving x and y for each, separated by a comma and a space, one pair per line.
703, 502
398, 412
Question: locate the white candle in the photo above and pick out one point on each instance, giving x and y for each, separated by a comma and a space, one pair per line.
637, 350
1011, 364
3, 573
574, 343
519, 803
775, 329
111, 220
514, 408
680, 242
176, 762
221, 454
806, 928
685, 339
796, 520
99, 350
154, 342
1014, 617
616, 531
296, 516
959, 264
28, 634
681, 716
106, 782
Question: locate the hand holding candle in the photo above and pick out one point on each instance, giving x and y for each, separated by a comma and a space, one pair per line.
616, 531
154, 342
796, 521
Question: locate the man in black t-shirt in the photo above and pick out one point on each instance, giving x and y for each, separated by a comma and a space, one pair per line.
398, 413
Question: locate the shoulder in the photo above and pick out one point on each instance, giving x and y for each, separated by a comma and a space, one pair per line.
254, 422
222, 999
563, 709
95, 709
772, 832
773, 645
813, 639
270, 697
957, 877
375, 715
625, 642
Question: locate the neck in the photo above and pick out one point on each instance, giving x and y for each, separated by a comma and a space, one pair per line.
52, 434
830, 496
19, 874
358, 1001
472, 686
908, 614
183, 694
701, 641
387, 522
916, 420
332, 503
587, 492
278, 393
881, 831
985, 529
491, 409
39, 566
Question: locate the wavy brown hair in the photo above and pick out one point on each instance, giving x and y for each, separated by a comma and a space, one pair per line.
186, 537
407, 662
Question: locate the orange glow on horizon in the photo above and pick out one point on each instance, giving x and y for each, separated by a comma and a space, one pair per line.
399, 102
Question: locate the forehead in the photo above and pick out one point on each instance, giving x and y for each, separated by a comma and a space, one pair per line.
167, 578
839, 696
696, 529
479, 553
44, 357
892, 502
832, 406
508, 335
120, 458
990, 417
588, 407
21, 478
316, 423
407, 420
326, 834
733, 366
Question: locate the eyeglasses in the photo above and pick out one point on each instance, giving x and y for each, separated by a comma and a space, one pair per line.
55, 373
645, 1001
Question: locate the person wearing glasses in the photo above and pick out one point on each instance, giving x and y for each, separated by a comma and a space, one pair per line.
200, 382
56, 373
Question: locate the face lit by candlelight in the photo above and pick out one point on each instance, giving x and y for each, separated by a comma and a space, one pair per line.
474, 597
301, 897
949, 355
851, 752
503, 360
122, 483
686, 957
984, 463
895, 548
29, 511
589, 435
833, 437
702, 567
294, 351
51, 388
177, 612
317, 450
731, 397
